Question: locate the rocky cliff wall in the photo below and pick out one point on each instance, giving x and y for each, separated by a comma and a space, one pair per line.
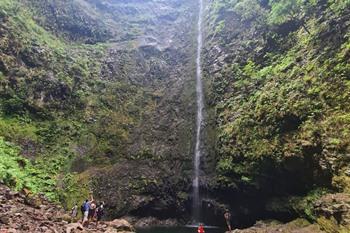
277, 79
99, 96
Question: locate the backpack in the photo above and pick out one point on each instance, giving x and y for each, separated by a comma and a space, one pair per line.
82, 207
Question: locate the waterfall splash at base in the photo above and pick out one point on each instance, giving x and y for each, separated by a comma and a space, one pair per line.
200, 106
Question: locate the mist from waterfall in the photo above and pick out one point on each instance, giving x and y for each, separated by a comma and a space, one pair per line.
200, 105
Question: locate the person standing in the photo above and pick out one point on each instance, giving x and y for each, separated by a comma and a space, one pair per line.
86, 212
82, 209
99, 213
227, 216
92, 211
201, 228
74, 211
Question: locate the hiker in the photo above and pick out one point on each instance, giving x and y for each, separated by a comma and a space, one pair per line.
92, 211
99, 213
201, 228
74, 211
82, 209
86, 208
227, 216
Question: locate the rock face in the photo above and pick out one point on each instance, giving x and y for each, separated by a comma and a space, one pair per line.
151, 221
159, 62
275, 135
18, 215
99, 96
114, 83
334, 211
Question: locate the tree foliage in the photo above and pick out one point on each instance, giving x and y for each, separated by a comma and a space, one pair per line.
283, 11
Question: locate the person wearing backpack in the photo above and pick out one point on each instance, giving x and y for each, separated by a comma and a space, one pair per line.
86, 211
82, 210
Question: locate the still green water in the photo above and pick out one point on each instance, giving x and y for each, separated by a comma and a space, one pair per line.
178, 230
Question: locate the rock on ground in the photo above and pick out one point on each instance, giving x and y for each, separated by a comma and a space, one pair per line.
296, 226
21, 212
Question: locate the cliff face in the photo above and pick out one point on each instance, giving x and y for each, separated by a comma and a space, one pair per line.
278, 79
98, 96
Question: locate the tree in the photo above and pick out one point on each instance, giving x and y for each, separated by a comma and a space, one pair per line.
250, 10
283, 11
338, 6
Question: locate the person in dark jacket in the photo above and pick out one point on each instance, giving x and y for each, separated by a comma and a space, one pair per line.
227, 216
99, 213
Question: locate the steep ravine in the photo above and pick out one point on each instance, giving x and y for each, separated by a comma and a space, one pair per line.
100, 97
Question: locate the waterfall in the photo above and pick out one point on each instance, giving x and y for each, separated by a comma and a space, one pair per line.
200, 105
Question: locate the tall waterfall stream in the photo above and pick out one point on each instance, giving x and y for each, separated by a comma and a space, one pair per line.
200, 107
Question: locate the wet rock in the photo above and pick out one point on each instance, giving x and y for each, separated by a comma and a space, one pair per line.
151, 221
170, 222
146, 222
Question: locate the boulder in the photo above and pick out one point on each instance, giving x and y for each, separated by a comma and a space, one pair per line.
146, 222
111, 230
335, 206
33, 201
4, 219
151, 221
74, 226
64, 217
121, 225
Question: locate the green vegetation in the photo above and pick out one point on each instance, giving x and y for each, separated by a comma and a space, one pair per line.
84, 102
81, 94
275, 104
48, 107
281, 100
20, 173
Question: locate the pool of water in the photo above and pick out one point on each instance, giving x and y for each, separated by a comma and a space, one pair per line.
184, 229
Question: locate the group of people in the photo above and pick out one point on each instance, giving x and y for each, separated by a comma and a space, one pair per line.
90, 211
